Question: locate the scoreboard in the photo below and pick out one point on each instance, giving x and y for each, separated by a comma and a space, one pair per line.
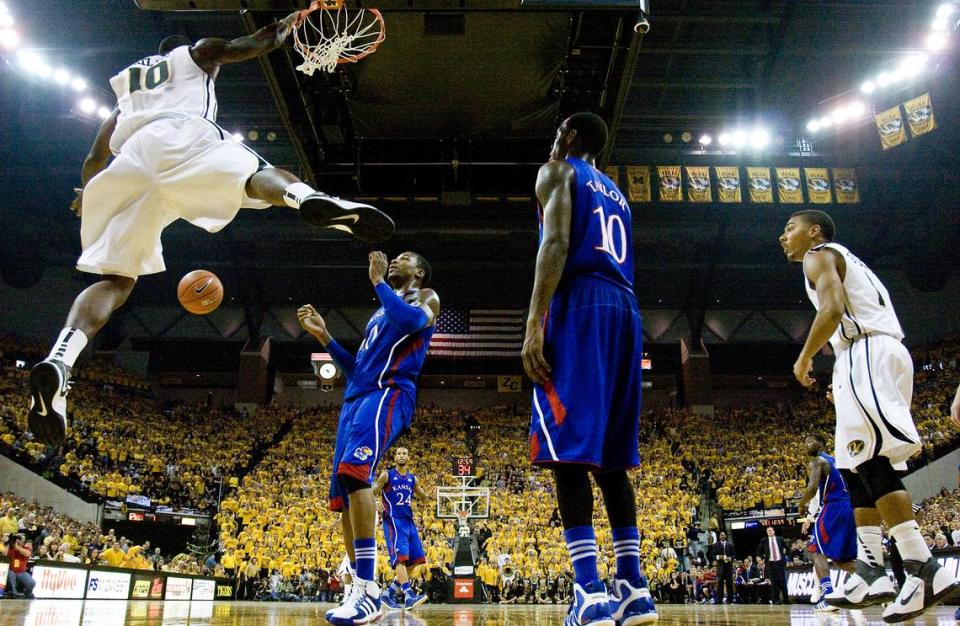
463, 466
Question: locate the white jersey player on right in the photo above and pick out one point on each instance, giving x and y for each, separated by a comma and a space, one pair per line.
171, 162
875, 434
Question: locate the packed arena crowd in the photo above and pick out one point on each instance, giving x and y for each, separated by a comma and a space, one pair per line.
279, 540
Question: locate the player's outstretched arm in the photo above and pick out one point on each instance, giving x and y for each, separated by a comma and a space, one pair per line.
554, 183
313, 323
209, 54
408, 318
821, 269
97, 158
813, 482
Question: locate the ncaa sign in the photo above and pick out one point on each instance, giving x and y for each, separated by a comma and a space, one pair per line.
108, 585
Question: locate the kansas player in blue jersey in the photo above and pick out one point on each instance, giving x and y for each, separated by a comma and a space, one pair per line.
378, 407
582, 350
394, 490
834, 531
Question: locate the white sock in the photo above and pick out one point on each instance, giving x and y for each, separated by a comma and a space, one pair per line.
870, 545
910, 542
294, 194
68, 346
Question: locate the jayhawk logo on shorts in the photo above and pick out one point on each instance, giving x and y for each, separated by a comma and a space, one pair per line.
363, 453
855, 447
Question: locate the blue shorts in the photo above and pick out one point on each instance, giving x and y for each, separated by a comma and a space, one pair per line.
403, 542
368, 427
589, 411
834, 533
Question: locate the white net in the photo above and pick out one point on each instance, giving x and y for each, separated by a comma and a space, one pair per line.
328, 36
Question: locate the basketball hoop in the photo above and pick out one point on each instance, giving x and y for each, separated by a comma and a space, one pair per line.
462, 516
327, 34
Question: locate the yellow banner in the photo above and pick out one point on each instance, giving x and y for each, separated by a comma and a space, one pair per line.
728, 183
818, 185
669, 177
698, 184
890, 127
920, 115
613, 173
845, 180
758, 181
789, 189
638, 183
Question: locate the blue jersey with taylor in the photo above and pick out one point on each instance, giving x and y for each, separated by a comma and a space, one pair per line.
601, 234
397, 494
832, 487
388, 358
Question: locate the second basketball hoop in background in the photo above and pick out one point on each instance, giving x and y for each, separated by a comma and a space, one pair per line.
328, 33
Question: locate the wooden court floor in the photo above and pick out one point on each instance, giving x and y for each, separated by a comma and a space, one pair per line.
173, 613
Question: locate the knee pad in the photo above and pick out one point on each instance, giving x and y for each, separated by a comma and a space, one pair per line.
879, 477
352, 484
859, 496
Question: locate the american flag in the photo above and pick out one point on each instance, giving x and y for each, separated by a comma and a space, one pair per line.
478, 333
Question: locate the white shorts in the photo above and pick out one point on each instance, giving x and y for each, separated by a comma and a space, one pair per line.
170, 169
872, 391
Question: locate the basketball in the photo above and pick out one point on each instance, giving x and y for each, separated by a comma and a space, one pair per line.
200, 292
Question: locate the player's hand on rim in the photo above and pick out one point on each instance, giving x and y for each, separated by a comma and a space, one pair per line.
534, 362
378, 266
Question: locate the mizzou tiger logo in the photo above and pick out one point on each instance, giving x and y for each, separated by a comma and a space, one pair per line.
891, 127
670, 183
921, 115
699, 184
760, 183
789, 183
855, 447
846, 184
729, 183
818, 184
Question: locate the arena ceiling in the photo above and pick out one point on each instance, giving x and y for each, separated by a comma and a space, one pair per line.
446, 125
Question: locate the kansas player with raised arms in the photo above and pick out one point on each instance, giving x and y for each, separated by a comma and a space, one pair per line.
171, 162
831, 515
582, 350
394, 490
378, 407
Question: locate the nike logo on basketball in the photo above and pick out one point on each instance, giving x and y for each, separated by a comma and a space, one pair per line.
43, 407
352, 216
200, 289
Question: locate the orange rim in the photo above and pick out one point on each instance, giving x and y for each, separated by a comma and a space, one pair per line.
330, 5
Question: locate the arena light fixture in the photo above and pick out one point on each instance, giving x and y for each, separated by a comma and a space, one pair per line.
855, 109
723, 139
87, 105
826, 122
706, 140
813, 126
686, 137
939, 24
6, 20
103, 113
936, 41
237, 137
946, 10
3, 8
739, 139
9, 38
78, 84
913, 64
868, 87
759, 138
883, 79
61, 76
43, 70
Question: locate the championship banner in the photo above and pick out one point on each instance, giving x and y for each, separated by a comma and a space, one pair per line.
789, 189
669, 177
920, 115
890, 127
698, 184
613, 173
845, 181
818, 185
759, 184
728, 183
638, 183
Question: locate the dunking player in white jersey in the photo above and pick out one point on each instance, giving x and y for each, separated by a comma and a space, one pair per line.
172, 162
875, 434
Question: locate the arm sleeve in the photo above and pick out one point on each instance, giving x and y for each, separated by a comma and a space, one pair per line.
342, 357
407, 318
